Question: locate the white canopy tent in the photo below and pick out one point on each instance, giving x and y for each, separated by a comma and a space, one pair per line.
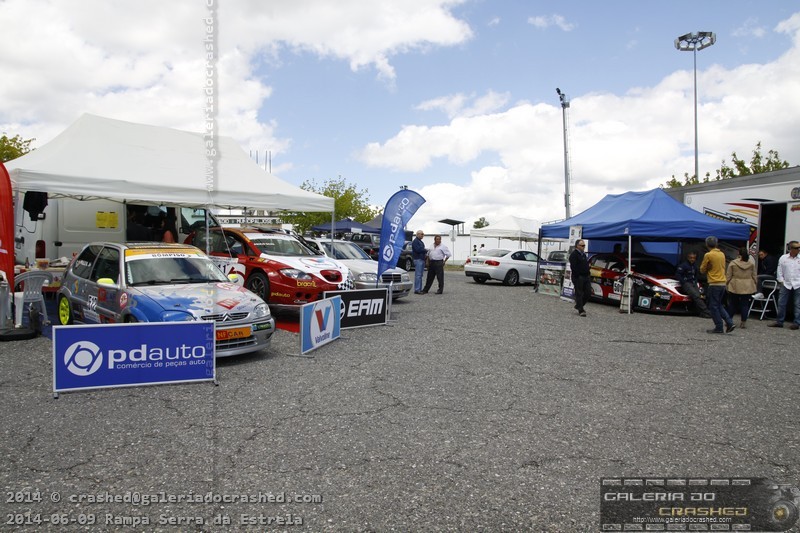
511, 227
103, 158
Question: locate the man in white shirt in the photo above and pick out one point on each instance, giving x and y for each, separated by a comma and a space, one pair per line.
437, 255
789, 281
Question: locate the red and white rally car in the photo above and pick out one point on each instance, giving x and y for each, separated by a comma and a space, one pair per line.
654, 286
274, 264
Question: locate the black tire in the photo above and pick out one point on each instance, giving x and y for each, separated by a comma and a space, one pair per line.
512, 278
259, 284
409, 265
477, 279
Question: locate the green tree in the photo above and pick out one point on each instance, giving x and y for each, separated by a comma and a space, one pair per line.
758, 164
348, 202
14, 147
480, 223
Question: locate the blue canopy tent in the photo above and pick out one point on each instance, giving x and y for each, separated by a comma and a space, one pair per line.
346, 225
644, 216
649, 215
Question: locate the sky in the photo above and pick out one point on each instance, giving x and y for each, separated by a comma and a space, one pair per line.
455, 99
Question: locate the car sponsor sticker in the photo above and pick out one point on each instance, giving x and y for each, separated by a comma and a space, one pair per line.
233, 333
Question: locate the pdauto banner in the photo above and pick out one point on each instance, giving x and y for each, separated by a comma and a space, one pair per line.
123, 355
398, 211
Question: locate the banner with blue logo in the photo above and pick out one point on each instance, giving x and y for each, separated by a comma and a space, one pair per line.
398, 211
320, 323
123, 355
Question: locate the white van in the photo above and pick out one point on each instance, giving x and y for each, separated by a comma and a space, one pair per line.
55, 228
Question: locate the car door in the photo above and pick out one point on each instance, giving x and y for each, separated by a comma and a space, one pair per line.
102, 303
525, 263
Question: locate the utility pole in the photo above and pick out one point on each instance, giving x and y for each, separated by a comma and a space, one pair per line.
564, 106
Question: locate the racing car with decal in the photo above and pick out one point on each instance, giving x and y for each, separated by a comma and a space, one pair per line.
653, 285
274, 265
108, 283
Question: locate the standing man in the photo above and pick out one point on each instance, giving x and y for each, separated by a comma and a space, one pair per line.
713, 267
418, 253
436, 257
579, 265
789, 282
687, 274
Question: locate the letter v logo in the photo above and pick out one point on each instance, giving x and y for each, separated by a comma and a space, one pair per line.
322, 317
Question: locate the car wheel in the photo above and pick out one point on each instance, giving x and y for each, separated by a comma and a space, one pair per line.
258, 283
64, 311
409, 264
477, 279
512, 278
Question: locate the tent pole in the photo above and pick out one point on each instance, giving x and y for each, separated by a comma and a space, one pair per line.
630, 292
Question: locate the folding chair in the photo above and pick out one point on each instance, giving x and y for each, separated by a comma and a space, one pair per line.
32, 283
769, 287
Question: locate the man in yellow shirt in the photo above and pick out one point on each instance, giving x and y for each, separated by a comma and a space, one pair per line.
713, 266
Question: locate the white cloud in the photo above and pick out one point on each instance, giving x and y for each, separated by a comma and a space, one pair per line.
544, 22
634, 141
456, 105
750, 28
144, 60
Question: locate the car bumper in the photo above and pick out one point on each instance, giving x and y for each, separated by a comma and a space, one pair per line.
259, 338
399, 290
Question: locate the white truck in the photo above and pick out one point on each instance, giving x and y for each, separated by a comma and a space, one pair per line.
769, 203
64, 225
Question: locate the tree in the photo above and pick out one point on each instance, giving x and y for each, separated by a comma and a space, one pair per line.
14, 147
757, 165
348, 202
480, 223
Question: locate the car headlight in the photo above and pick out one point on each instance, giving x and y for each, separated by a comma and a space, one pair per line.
295, 273
176, 316
261, 311
405, 277
367, 276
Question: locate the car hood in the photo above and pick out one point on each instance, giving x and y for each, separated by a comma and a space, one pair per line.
311, 264
361, 266
199, 299
664, 281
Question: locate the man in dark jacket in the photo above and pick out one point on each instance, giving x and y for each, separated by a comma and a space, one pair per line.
418, 254
687, 274
579, 265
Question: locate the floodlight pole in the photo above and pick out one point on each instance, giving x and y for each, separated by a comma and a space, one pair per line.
564, 106
694, 42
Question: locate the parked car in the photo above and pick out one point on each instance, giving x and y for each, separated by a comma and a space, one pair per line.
369, 242
364, 269
161, 282
558, 256
274, 264
512, 267
406, 260
653, 288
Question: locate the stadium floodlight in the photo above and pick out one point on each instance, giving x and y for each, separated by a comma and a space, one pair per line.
692, 42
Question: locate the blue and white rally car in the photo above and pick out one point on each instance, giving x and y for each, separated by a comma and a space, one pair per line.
108, 283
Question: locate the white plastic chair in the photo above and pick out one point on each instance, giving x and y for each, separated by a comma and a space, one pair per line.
769, 287
32, 283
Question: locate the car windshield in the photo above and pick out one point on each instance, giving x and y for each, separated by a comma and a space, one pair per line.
281, 246
345, 250
170, 270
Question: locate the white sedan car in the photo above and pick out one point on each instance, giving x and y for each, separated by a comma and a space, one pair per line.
512, 267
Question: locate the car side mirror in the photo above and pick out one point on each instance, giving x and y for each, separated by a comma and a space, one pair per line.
107, 283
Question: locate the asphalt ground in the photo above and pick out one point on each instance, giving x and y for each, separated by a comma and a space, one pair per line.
487, 408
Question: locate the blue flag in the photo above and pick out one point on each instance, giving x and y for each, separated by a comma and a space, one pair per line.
398, 211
